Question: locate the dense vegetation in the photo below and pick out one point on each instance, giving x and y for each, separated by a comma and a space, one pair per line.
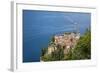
81, 51
83, 47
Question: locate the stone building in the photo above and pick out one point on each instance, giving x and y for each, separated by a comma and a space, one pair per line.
68, 41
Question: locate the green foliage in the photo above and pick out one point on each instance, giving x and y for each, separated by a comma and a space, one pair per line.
44, 50
57, 54
54, 56
81, 51
47, 57
68, 56
83, 48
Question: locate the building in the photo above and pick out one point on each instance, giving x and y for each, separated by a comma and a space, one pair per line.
66, 41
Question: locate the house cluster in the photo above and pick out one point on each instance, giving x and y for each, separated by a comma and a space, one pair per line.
67, 41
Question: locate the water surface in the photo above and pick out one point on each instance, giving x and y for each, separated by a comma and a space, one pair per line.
40, 26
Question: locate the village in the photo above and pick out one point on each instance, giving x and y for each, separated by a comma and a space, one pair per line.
67, 41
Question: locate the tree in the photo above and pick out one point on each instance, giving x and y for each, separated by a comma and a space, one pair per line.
83, 47
82, 50
58, 54
44, 50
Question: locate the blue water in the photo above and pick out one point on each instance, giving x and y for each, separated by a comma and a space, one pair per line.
40, 26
